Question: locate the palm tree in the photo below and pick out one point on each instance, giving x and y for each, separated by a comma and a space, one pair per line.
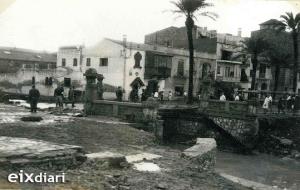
293, 23
256, 45
189, 8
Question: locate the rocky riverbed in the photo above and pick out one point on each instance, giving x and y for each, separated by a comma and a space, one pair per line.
156, 166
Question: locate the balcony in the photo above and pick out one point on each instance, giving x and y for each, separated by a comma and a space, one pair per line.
228, 79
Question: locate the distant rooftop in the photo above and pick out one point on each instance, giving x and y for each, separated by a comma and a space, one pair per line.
271, 22
162, 49
26, 55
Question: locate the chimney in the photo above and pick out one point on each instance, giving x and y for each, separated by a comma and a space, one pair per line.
240, 32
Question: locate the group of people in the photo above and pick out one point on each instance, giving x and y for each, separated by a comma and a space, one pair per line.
288, 103
60, 99
34, 96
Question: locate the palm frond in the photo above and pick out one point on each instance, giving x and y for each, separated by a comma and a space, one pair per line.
211, 15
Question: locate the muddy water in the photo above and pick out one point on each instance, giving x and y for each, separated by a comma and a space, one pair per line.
262, 168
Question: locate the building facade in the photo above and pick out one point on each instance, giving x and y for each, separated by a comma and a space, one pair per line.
21, 68
122, 63
228, 66
266, 70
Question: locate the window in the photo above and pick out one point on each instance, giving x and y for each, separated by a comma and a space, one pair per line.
218, 70
103, 62
67, 82
264, 86
227, 71
262, 71
88, 62
180, 68
226, 55
157, 65
63, 62
75, 62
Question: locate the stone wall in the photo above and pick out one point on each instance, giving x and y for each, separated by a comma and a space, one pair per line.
245, 131
126, 110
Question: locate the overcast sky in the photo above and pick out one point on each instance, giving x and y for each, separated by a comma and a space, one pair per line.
48, 24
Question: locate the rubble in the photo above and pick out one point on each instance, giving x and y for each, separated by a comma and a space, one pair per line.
32, 118
201, 156
113, 159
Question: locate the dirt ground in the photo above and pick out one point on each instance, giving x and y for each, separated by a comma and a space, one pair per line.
111, 135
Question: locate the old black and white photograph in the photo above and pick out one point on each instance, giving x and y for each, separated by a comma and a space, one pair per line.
149, 95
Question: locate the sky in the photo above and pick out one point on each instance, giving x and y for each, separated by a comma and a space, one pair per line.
49, 24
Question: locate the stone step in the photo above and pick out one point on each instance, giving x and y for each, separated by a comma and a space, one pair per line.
23, 152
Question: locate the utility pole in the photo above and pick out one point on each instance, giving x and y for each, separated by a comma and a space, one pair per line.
125, 56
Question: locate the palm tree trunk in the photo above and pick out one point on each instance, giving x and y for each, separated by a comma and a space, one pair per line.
295, 43
254, 64
277, 73
189, 27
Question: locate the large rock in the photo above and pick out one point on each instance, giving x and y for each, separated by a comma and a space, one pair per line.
113, 159
22, 152
202, 156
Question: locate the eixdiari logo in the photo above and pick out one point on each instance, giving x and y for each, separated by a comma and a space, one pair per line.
42, 177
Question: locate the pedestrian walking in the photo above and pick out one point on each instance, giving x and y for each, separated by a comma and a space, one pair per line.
34, 95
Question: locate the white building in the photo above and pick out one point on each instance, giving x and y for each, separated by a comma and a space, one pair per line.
123, 62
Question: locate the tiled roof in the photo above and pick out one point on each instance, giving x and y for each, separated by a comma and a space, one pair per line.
162, 49
271, 22
26, 55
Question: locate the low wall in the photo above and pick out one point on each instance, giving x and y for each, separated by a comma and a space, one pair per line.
128, 110
216, 107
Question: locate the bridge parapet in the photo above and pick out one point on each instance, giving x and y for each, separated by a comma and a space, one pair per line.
225, 108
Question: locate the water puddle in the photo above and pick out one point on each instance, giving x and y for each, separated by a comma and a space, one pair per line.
146, 167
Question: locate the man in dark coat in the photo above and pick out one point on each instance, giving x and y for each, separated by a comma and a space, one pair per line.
119, 94
34, 96
58, 94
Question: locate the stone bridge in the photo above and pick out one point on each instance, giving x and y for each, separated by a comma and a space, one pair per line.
239, 121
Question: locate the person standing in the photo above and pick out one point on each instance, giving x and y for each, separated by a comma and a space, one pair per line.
237, 98
58, 94
266, 104
280, 105
119, 94
270, 102
143, 96
71, 96
185, 94
223, 97
34, 96
170, 95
